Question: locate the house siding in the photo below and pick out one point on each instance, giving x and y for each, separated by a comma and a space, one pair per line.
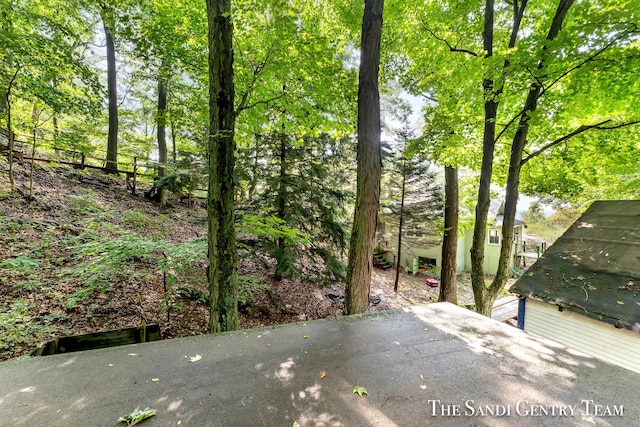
408, 254
491, 251
598, 339
461, 252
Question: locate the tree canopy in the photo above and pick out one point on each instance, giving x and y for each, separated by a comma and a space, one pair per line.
535, 97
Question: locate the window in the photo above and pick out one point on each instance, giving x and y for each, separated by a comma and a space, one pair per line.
426, 263
494, 238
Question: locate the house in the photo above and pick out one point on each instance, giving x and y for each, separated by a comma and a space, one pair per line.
584, 292
492, 244
422, 246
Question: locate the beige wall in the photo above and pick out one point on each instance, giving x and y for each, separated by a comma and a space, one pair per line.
598, 339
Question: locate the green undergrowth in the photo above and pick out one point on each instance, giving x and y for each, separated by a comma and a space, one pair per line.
69, 250
19, 327
52, 264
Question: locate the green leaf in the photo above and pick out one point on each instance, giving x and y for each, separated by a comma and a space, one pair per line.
19, 262
136, 416
359, 390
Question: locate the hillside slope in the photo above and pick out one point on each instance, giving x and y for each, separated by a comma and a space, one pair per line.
84, 255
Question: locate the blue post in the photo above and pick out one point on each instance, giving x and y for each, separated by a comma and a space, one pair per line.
522, 301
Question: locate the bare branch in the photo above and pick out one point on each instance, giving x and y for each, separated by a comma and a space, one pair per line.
581, 129
429, 98
539, 82
261, 102
451, 47
257, 71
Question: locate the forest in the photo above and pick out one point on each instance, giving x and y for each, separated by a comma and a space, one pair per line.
251, 143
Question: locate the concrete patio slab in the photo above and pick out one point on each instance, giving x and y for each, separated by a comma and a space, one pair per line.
428, 365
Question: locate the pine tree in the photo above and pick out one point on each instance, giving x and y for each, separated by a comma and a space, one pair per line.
415, 201
301, 182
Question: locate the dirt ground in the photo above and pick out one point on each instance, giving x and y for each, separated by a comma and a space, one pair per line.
67, 208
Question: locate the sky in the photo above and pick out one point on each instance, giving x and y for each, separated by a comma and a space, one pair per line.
415, 119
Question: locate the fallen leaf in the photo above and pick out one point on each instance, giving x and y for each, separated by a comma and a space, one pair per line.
306, 336
587, 418
359, 390
195, 358
133, 354
155, 380
422, 386
621, 302
136, 416
296, 424
322, 375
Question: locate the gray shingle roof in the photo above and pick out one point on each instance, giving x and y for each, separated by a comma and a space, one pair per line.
594, 267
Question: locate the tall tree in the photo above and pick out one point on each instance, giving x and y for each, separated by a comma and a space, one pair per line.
108, 23
545, 78
513, 178
222, 252
492, 92
586, 85
304, 183
369, 166
448, 280
161, 122
42, 60
400, 224
419, 209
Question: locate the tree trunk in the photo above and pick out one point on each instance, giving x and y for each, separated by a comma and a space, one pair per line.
11, 145
222, 275
112, 139
56, 130
11, 136
515, 161
161, 130
35, 118
398, 265
173, 142
253, 180
448, 284
281, 203
484, 188
488, 147
369, 161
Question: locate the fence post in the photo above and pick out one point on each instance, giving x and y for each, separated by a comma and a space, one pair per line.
135, 172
